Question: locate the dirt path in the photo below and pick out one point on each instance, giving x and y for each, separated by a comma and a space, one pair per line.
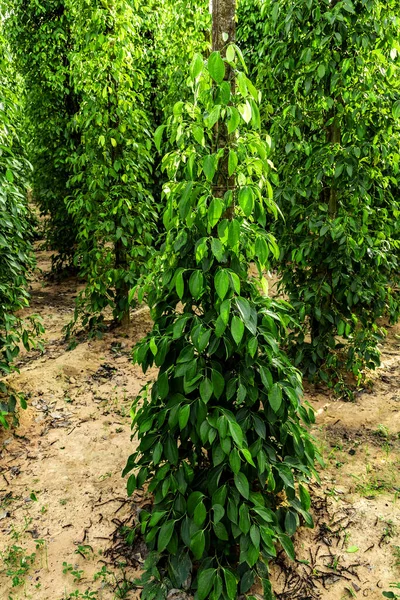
62, 495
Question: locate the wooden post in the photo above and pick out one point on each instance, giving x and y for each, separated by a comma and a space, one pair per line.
223, 22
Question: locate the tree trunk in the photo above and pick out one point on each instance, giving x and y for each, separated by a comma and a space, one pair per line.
223, 22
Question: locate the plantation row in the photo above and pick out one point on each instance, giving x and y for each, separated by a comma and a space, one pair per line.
174, 153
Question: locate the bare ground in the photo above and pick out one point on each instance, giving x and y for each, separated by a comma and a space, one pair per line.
62, 497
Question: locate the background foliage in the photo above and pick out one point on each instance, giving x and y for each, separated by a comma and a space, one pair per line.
16, 258
110, 200
40, 38
329, 73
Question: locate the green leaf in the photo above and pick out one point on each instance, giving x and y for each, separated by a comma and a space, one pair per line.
234, 461
218, 383
244, 519
304, 497
235, 282
212, 117
352, 549
246, 200
242, 484
157, 453
221, 282
219, 512
206, 389
197, 544
245, 112
396, 109
262, 250
217, 249
237, 329
163, 385
210, 166
184, 414
215, 211
205, 583
247, 454
255, 114
247, 582
9, 176
200, 514
233, 120
230, 584
158, 136
196, 66
165, 535
275, 397
255, 535
287, 545
233, 234
156, 517
131, 485
225, 310
216, 67
221, 532
236, 433
196, 282
230, 53
179, 284
242, 83
321, 71
193, 500
232, 162
290, 523
198, 134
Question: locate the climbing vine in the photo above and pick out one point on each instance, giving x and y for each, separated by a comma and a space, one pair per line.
40, 39
329, 74
16, 257
110, 197
220, 436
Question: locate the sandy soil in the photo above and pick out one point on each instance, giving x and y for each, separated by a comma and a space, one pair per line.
62, 497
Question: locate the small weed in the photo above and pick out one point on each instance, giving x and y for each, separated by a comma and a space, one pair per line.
389, 531
82, 595
102, 574
17, 564
396, 554
76, 573
84, 550
332, 494
334, 564
382, 431
64, 501
372, 484
7, 500
15, 534
392, 594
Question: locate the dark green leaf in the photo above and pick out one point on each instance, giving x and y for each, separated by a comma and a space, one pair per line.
216, 67
165, 535
242, 484
275, 397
